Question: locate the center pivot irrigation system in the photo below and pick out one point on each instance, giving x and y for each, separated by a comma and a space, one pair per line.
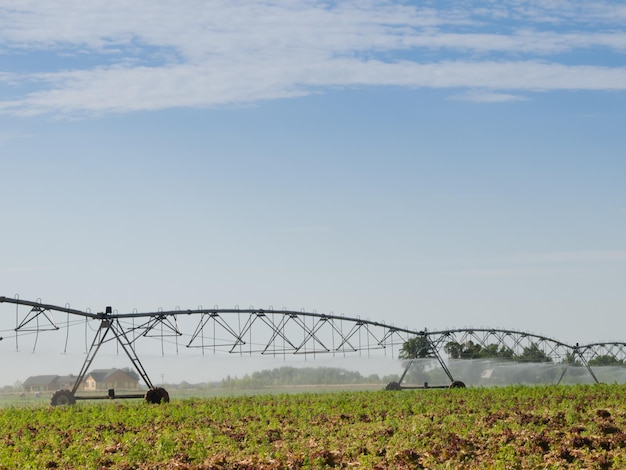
281, 333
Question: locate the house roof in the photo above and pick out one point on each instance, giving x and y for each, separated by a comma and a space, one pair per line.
67, 379
100, 375
40, 380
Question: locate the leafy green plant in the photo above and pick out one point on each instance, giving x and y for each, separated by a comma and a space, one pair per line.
511, 427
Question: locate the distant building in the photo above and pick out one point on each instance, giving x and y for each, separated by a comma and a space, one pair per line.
104, 379
98, 379
48, 383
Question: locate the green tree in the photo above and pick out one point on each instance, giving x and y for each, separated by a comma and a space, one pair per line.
572, 359
453, 350
417, 347
532, 353
471, 350
505, 352
489, 351
418, 355
495, 351
605, 360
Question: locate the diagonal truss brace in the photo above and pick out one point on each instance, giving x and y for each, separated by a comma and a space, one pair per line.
33, 315
279, 332
111, 326
578, 352
204, 319
168, 327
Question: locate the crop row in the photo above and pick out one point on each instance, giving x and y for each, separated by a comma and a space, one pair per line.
509, 427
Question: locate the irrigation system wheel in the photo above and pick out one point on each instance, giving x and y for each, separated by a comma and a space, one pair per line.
457, 384
157, 395
393, 386
62, 398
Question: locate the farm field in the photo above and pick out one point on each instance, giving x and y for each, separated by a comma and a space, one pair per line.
508, 427
17, 399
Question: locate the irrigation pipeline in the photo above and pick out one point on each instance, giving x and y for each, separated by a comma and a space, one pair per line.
282, 332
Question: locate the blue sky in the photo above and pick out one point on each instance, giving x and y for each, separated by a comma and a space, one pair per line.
432, 164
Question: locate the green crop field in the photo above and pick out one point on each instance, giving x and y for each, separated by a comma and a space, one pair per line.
507, 428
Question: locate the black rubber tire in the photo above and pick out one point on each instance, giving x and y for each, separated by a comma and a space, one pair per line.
62, 398
457, 384
157, 396
393, 386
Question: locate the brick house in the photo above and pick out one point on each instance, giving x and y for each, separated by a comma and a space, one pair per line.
104, 379
98, 379
48, 383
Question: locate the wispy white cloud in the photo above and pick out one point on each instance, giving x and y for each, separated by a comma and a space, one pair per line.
122, 89
578, 12
481, 96
525, 41
160, 55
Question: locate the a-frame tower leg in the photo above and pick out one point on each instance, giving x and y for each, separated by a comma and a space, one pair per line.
119, 334
110, 329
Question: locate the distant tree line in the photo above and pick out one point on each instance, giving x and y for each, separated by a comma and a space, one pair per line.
470, 350
602, 360
288, 375
420, 347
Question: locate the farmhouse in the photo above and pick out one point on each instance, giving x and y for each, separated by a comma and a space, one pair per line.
98, 379
104, 379
48, 383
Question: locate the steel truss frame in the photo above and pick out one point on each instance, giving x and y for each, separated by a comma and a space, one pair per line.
282, 332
